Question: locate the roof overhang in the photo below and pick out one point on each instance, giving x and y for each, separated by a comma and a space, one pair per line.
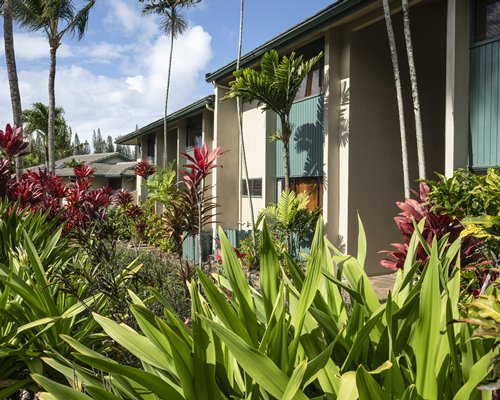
196, 107
324, 18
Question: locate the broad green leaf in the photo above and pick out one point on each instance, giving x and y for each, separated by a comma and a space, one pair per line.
347, 388
295, 381
269, 271
361, 243
256, 364
137, 344
368, 388
60, 392
427, 332
478, 372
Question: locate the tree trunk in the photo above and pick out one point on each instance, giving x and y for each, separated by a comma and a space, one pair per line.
399, 96
10, 61
414, 91
285, 138
242, 139
52, 109
165, 163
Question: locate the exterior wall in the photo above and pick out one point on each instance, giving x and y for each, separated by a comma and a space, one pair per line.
227, 178
254, 132
99, 181
129, 183
159, 148
457, 89
172, 146
375, 172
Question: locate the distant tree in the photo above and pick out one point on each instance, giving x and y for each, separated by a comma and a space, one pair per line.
86, 148
110, 147
64, 147
173, 24
36, 124
55, 18
275, 86
77, 147
98, 143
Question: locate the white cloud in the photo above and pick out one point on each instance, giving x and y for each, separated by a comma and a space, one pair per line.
116, 103
33, 46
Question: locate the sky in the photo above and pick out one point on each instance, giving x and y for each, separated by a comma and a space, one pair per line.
115, 77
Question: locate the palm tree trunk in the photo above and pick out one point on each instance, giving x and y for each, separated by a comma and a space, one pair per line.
10, 61
399, 95
414, 90
165, 163
285, 138
240, 128
52, 109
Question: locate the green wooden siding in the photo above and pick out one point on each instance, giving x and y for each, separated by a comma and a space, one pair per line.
306, 144
485, 105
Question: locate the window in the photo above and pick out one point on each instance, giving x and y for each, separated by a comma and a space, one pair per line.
312, 185
313, 83
255, 187
115, 183
486, 20
194, 132
151, 148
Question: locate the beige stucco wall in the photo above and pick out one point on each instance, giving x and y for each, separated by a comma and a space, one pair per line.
227, 178
129, 183
159, 148
254, 133
375, 172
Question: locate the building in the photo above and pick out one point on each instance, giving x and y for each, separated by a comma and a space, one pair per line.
346, 149
110, 169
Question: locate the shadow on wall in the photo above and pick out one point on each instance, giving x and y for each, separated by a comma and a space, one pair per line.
306, 139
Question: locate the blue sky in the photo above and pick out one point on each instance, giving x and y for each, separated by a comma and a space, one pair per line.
115, 77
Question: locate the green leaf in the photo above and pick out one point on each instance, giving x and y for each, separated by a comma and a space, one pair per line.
58, 391
256, 364
347, 388
477, 373
368, 388
295, 381
269, 271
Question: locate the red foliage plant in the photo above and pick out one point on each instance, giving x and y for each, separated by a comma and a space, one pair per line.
437, 225
144, 169
200, 164
74, 205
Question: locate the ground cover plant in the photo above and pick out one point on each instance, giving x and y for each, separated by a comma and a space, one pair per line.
294, 339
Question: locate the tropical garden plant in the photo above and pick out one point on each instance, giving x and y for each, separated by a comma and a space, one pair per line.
294, 339
275, 87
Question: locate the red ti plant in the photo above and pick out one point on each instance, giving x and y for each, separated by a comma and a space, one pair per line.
436, 225
199, 166
144, 169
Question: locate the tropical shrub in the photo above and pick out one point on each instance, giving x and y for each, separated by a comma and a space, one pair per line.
294, 340
437, 225
290, 221
34, 308
475, 201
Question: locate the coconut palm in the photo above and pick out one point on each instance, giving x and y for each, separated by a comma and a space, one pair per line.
36, 121
414, 90
399, 95
10, 61
275, 87
55, 18
173, 24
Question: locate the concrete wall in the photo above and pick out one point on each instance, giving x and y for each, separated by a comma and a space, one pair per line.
227, 178
375, 172
129, 183
254, 132
159, 148
172, 146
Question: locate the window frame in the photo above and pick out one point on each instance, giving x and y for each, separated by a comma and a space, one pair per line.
251, 183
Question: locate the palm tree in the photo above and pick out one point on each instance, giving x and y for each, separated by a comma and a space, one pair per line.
173, 24
10, 61
275, 87
414, 90
47, 16
240, 128
36, 121
399, 95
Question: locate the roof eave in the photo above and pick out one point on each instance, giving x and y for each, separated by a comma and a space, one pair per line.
330, 14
